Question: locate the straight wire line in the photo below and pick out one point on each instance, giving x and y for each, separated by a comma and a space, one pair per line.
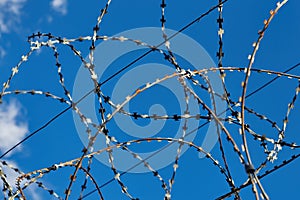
272, 80
259, 177
36, 131
127, 66
112, 76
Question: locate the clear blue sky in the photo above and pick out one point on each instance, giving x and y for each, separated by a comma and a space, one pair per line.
196, 178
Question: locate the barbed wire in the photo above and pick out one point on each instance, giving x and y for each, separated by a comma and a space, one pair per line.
226, 127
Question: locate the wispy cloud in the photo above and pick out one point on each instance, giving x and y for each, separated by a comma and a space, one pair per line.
60, 6
2, 52
11, 177
10, 11
12, 129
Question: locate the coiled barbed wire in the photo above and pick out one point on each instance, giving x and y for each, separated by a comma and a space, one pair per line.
228, 138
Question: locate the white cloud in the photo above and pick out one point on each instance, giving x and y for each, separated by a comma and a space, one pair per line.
59, 6
2, 52
12, 130
10, 11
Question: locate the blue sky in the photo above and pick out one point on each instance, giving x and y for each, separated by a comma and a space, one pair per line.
196, 178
